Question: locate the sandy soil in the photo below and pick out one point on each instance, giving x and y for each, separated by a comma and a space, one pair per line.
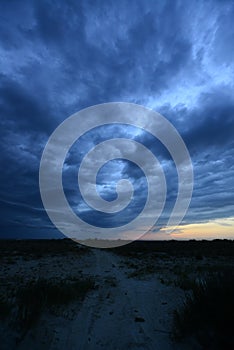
121, 312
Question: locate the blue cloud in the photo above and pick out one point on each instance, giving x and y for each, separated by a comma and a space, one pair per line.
57, 58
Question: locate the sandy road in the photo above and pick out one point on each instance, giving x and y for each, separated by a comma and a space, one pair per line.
123, 312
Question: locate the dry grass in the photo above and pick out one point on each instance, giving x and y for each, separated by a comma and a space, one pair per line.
208, 312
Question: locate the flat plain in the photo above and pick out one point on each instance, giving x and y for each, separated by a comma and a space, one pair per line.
57, 294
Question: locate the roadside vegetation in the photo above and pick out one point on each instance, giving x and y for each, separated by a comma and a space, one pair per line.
207, 313
24, 308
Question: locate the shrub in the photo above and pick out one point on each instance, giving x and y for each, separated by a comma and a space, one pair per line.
185, 282
38, 295
208, 313
5, 308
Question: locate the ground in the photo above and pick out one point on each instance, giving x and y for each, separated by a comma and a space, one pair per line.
130, 306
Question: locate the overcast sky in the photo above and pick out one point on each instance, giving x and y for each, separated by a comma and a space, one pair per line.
56, 58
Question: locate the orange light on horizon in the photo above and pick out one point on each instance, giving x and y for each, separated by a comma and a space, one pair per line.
216, 229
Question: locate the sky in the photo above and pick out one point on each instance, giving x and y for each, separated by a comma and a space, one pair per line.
174, 57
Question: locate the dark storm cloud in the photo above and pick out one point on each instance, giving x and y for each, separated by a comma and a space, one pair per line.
24, 111
208, 125
213, 121
59, 57
208, 130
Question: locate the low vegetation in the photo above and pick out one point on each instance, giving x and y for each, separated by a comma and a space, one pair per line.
37, 296
191, 248
36, 248
208, 312
5, 308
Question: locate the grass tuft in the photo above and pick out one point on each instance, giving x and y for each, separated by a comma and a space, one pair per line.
5, 308
37, 296
208, 313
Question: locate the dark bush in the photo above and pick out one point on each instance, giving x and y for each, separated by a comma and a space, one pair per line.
208, 313
43, 294
5, 308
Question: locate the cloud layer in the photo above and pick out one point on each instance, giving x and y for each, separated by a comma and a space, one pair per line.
59, 57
